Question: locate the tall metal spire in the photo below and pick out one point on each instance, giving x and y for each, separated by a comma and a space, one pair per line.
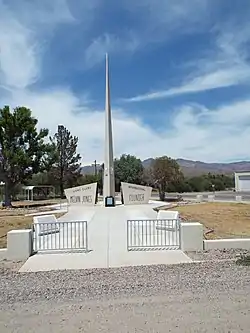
108, 177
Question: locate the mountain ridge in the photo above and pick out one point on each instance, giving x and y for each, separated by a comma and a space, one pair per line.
191, 168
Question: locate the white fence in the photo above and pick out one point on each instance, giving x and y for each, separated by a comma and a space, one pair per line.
153, 234
60, 236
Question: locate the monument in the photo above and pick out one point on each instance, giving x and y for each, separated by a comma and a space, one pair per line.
135, 194
82, 195
86, 195
108, 172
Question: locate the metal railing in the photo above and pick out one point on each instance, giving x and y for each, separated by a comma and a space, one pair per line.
60, 236
153, 234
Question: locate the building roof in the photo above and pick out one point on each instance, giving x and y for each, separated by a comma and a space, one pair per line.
243, 171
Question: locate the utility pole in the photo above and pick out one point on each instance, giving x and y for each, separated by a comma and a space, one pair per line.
61, 156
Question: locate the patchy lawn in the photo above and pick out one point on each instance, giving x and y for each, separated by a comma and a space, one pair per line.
228, 220
14, 219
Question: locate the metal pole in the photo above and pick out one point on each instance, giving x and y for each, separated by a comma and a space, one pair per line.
95, 168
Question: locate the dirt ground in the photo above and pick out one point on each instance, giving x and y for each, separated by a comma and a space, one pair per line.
228, 220
15, 219
38, 203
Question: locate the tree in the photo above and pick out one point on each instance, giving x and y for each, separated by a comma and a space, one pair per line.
128, 169
166, 171
23, 150
64, 159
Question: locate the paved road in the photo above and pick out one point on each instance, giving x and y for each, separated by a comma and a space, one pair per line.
219, 195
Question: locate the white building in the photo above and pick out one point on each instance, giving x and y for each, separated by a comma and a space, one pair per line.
242, 181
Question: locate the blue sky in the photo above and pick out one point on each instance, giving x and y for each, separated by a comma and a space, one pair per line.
180, 73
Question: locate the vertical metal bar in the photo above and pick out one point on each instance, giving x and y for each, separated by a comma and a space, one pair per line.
81, 233
40, 240
127, 233
132, 232
142, 232
175, 231
160, 237
59, 237
132, 228
67, 236
50, 235
71, 233
63, 235
179, 234
86, 235
157, 238
151, 232
165, 233
44, 236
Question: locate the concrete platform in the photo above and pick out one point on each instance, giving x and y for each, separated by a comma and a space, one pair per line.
107, 230
63, 261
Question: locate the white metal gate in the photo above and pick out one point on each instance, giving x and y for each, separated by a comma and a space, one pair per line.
158, 234
60, 236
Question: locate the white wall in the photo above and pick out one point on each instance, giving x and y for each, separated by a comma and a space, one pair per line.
191, 236
81, 195
135, 194
234, 243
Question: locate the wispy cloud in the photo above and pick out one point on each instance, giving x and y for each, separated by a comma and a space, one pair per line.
218, 79
226, 65
21, 24
109, 43
151, 22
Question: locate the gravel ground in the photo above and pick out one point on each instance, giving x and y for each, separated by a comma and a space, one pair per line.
200, 297
212, 255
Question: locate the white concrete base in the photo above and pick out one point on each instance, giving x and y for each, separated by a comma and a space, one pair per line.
210, 198
107, 229
236, 243
238, 198
62, 261
3, 254
19, 244
199, 198
191, 236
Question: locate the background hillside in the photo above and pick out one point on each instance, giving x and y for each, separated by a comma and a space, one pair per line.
192, 168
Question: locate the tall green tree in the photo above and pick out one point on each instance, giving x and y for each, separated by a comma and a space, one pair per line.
23, 150
129, 169
64, 159
166, 171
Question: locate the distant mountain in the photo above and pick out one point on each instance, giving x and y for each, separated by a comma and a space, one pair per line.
192, 168
90, 169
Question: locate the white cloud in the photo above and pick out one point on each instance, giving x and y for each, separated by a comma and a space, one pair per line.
108, 43
219, 79
20, 27
226, 65
193, 132
158, 19
18, 63
151, 22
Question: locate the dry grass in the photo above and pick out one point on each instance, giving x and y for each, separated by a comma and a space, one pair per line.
14, 219
38, 203
228, 220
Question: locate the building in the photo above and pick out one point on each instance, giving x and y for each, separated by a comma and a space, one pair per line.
242, 181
